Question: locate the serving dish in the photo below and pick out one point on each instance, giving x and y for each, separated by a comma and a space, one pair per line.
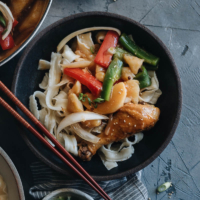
11, 177
169, 103
73, 193
25, 30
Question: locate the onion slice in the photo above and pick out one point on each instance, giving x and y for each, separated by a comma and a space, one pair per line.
84, 134
74, 34
9, 18
79, 117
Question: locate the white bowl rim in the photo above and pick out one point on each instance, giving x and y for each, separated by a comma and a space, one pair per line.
52, 194
15, 173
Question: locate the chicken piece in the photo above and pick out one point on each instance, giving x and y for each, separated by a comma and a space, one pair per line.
130, 119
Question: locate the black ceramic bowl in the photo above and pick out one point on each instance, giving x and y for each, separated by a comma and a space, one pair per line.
27, 78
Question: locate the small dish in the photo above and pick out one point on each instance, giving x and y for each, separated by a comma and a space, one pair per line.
11, 177
73, 193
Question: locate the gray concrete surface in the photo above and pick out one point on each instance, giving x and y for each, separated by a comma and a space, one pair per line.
177, 23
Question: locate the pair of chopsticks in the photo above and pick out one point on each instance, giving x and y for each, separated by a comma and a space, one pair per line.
73, 164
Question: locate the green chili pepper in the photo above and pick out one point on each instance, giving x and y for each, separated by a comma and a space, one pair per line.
164, 187
151, 67
130, 46
119, 53
143, 78
2, 20
113, 74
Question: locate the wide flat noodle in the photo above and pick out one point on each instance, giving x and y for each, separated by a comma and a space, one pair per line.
115, 153
85, 43
54, 79
151, 93
68, 54
109, 165
100, 36
44, 65
44, 84
61, 101
33, 103
70, 144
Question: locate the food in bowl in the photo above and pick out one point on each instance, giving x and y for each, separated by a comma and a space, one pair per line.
27, 16
99, 94
7, 25
3, 189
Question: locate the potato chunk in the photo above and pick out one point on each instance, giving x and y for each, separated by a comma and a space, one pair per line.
100, 73
133, 62
76, 89
116, 101
133, 90
127, 74
74, 104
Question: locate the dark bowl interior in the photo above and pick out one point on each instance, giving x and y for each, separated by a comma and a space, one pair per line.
27, 78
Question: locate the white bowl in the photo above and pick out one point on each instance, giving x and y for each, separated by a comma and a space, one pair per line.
11, 177
77, 194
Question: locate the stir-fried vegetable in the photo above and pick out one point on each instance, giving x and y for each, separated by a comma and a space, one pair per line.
103, 57
112, 75
9, 18
15, 23
86, 79
2, 20
143, 78
119, 53
130, 46
8, 43
151, 67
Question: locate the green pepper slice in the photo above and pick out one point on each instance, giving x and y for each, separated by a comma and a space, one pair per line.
119, 53
113, 74
143, 78
130, 46
151, 67
2, 20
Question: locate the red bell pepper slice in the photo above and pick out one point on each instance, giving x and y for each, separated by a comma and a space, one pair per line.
8, 43
86, 79
15, 23
103, 57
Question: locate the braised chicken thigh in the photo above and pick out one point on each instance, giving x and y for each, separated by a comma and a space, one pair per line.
130, 119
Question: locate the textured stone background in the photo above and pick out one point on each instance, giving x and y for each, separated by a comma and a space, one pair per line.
177, 23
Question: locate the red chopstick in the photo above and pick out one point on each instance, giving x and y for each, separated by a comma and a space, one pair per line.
80, 171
